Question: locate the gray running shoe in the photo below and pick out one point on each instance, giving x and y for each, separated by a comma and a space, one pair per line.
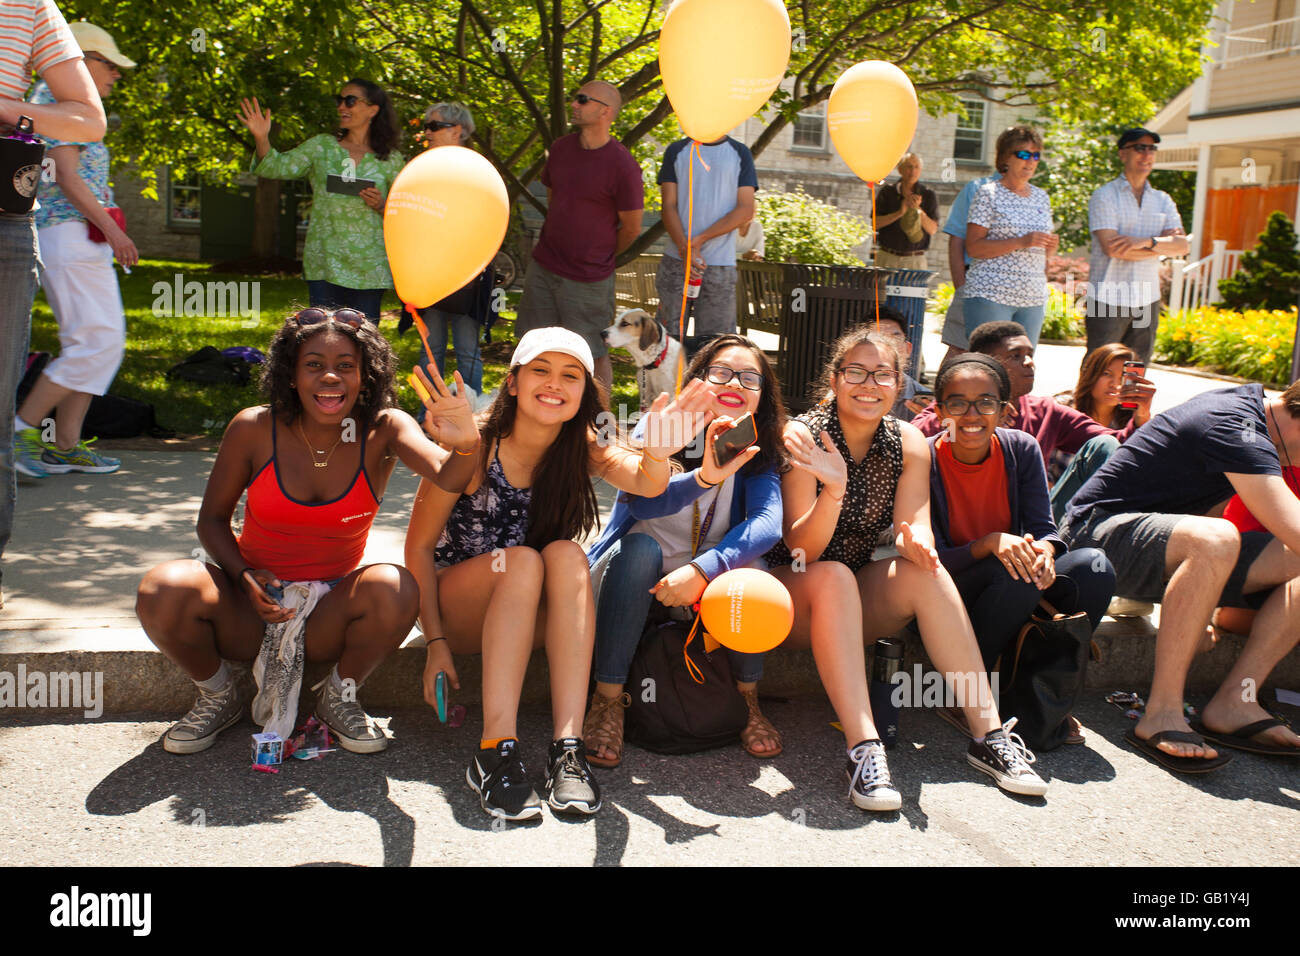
210, 715
570, 785
355, 729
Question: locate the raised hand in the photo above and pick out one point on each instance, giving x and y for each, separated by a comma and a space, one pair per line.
450, 419
670, 425
825, 463
257, 121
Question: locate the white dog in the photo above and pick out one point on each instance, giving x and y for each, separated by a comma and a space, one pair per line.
655, 352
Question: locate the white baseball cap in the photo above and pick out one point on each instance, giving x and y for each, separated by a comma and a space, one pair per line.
553, 339
93, 39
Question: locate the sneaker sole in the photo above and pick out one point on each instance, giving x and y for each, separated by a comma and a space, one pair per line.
360, 746
1009, 784
28, 471
86, 469
878, 804
173, 746
574, 806
527, 813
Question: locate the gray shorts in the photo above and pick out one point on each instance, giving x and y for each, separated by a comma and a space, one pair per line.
954, 324
1136, 544
715, 307
583, 307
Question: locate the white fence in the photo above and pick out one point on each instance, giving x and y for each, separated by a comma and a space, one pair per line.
1195, 284
1267, 39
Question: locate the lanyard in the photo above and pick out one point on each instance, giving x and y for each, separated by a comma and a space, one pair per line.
700, 532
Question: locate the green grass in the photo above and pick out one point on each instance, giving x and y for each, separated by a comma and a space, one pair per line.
154, 343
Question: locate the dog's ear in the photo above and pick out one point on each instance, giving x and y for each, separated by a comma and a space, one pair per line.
649, 331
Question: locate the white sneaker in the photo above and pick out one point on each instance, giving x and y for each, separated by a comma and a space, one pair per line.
870, 787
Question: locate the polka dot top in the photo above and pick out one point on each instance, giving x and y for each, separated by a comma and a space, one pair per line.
868, 507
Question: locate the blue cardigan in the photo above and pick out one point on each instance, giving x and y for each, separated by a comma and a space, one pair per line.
1031, 509
755, 518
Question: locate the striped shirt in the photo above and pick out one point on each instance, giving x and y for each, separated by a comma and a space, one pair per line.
33, 36
1126, 282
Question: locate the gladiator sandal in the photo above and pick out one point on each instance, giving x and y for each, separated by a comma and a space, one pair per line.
758, 729
604, 728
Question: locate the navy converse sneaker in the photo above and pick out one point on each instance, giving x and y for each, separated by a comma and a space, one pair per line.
870, 787
501, 782
1004, 757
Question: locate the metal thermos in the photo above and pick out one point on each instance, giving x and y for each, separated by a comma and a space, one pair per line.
887, 659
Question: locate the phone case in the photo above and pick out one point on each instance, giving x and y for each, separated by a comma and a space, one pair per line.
440, 694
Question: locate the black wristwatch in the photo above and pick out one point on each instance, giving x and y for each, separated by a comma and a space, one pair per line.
1153, 244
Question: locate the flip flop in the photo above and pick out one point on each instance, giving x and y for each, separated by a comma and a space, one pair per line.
1169, 761
1243, 738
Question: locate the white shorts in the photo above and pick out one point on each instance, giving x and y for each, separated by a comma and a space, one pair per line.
82, 291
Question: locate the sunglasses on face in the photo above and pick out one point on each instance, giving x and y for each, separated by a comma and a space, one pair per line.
1027, 154
985, 405
582, 99
1142, 147
434, 126
856, 375
350, 100
722, 375
315, 316
101, 59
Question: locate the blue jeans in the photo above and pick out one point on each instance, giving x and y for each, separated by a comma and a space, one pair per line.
1090, 457
18, 282
977, 311
630, 568
464, 340
999, 605
327, 295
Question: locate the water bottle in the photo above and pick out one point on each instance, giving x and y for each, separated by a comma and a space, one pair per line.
887, 659
693, 287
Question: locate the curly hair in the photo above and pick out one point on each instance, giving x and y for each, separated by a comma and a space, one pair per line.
769, 418
1095, 364
562, 504
378, 366
383, 125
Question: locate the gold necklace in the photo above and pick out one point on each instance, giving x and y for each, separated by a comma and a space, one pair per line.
319, 464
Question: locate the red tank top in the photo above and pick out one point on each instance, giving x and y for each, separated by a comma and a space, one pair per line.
306, 542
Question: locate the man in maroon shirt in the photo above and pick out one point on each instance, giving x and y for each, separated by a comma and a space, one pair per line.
1055, 427
595, 198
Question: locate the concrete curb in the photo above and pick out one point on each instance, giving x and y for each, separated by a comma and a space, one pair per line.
143, 680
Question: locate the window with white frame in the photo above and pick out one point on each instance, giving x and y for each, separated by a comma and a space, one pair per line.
810, 129
969, 139
184, 206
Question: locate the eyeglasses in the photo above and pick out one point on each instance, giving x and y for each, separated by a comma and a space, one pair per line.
434, 126
100, 59
722, 375
856, 375
315, 316
349, 100
1142, 147
985, 405
582, 99
1027, 154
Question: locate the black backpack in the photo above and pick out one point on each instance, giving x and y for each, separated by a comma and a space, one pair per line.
672, 713
208, 366
109, 416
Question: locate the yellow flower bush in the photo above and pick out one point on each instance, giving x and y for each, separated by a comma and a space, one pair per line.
1253, 344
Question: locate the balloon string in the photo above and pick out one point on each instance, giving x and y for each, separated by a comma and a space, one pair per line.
686, 652
686, 270
421, 328
875, 245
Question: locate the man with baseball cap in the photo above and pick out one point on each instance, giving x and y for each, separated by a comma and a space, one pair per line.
1132, 226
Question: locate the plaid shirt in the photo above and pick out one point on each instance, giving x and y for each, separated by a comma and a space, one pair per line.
1124, 282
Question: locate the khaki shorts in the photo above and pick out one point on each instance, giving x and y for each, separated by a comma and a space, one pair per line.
583, 307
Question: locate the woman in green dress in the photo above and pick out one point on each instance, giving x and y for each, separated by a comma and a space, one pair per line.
343, 259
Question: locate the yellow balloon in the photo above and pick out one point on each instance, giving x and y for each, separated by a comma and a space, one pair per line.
444, 220
872, 117
720, 61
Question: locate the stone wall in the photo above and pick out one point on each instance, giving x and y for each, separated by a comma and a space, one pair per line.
146, 219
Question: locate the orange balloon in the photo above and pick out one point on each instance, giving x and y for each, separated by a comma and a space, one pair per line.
720, 61
747, 610
444, 220
872, 117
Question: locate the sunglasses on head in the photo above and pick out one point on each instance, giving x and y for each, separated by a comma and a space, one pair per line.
1027, 154
350, 100
582, 99
434, 126
315, 316
1142, 147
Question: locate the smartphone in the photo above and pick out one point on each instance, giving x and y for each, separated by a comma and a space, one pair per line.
735, 439
1132, 371
440, 694
347, 187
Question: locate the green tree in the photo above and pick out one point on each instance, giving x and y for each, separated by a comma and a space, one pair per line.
799, 228
515, 64
1269, 275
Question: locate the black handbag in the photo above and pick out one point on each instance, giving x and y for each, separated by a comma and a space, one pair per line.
20, 166
674, 711
1046, 675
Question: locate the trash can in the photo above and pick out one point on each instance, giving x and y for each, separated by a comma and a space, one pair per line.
906, 292
819, 303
